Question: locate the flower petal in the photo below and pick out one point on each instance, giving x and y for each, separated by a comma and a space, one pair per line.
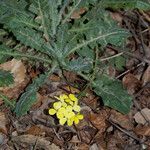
57, 105
64, 96
62, 121
76, 120
69, 108
52, 111
59, 115
79, 116
72, 97
67, 100
76, 108
69, 122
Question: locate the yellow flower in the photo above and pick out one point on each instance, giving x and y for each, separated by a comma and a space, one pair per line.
57, 105
66, 109
52, 111
69, 108
70, 122
62, 121
72, 97
76, 108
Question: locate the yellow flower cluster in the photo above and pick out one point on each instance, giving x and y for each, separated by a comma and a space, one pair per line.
66, 109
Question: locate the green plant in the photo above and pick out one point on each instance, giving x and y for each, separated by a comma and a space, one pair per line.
45, 28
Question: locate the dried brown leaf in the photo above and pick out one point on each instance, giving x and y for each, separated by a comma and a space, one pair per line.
3, 123
131, 83
77, 13
20, 79
40, 142
99, 120
122, 120
146, 76
143, 130
143, 116
87, 134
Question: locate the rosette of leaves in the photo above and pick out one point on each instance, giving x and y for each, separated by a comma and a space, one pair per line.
46, 26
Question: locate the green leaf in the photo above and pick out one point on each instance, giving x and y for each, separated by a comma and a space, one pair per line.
6, 78
120, 63
7, 101
29, 97
31, 38
126, 4
78, 65
113, 94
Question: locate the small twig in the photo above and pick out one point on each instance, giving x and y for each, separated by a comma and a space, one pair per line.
111, 57
131, 55
127, 71
126, 132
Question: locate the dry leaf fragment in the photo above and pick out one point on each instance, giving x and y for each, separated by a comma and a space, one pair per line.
87, 134
143, 130
146, 76
143, 116
40, 142
131, 83
120, 119
3, 123
99, 120
77, 13
35, 130
17, 68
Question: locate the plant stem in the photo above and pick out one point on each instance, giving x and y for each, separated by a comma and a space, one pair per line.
25, 55
92, 76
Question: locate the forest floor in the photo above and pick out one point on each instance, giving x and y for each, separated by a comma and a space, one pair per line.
102, 128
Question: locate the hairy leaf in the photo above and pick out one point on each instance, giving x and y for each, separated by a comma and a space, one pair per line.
79, 65
113, 94
28, 98
6, 78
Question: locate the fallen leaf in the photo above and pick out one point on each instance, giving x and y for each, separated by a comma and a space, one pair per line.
77, 13
3, 141
83, 146
120, 119
35, 130
143, 116
99, 120
143, 130
3, 123
115, 141
144, 98
146, 76
87, 134
94, 147
131, 83
41, 142
91, 100
18, 70
117, 16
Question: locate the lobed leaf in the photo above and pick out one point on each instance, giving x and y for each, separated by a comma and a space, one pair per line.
29, 97
113, 94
